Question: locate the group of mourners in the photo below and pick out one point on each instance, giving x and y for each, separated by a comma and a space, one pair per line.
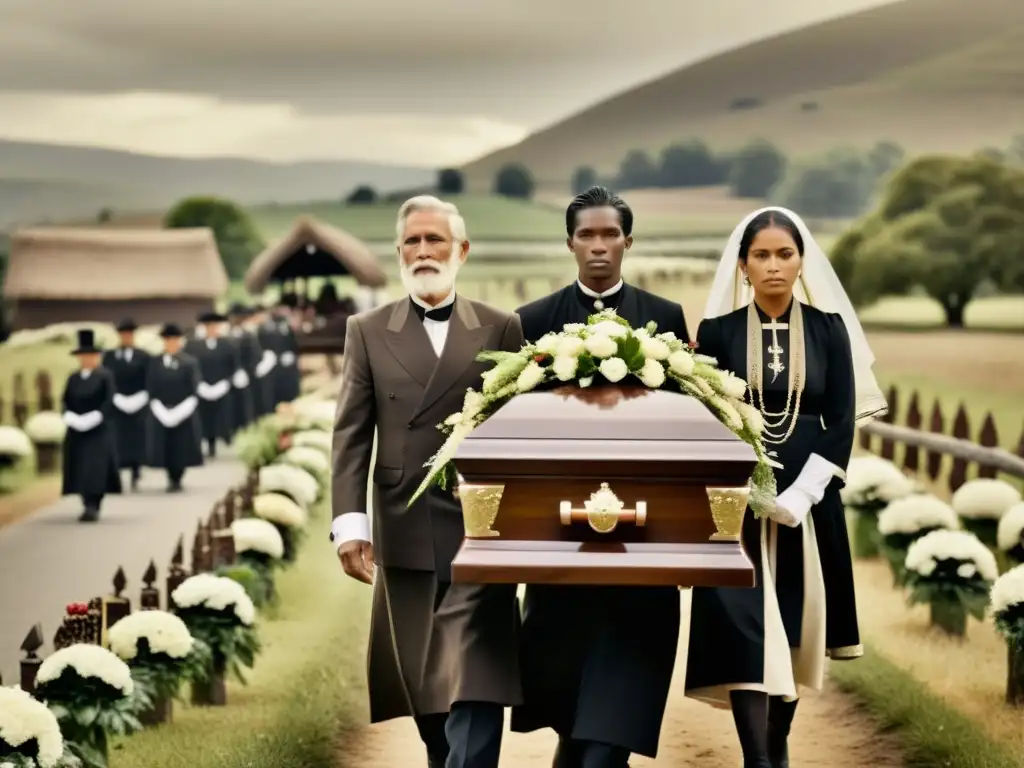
126, 408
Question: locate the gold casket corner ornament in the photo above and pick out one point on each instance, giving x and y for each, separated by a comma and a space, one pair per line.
728, 506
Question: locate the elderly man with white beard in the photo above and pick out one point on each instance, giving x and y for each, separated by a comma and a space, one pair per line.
442, 653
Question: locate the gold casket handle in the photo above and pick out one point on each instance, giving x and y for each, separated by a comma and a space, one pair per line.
603, 512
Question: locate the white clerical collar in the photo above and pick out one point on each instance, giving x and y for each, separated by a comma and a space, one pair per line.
595, 295
449, 299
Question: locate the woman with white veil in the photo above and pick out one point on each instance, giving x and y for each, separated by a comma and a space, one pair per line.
778, 316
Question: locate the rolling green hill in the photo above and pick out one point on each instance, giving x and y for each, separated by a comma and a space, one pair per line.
931, 75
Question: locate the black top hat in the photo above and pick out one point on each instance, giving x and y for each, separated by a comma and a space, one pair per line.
127, 325
171, 331
211, 317
86, 343
238, 310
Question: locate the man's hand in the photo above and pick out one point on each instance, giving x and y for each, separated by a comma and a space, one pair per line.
357, 560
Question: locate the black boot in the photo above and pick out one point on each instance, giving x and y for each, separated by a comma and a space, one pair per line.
567, 754
750, 714
780, 720
135, 478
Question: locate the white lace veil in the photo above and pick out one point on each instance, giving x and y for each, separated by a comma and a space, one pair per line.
819, 287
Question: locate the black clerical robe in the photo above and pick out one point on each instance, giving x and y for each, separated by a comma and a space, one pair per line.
287, 379
129, 366
597, 661
174, 431
246, 398
218, 362
90, 446
272, 343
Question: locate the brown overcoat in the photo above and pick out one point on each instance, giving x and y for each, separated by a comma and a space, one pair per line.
432, 643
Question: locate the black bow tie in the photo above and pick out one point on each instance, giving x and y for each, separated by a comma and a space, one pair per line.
439, 314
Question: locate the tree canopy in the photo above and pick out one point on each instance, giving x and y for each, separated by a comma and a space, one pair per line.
238, 239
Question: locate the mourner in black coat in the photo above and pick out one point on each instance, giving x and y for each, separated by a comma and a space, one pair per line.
272, 343
174, 432
597, 661
243, 383
288, 379
129, 364
90, 447
218, 361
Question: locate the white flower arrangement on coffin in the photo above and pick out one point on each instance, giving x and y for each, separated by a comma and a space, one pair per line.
288, 517
871, 483
981, 503
293, 481
1010, 534
15, 446
46, 428
92, 694
1007, 600
951, 572
30, 735
315, 411
906, 520
313, 460
606, 349
320, 439
160, 651
218, 611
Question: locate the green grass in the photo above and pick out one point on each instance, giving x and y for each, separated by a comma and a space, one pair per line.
993, 313
933, 733
307, 689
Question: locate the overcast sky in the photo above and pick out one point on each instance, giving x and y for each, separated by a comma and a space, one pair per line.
404, 81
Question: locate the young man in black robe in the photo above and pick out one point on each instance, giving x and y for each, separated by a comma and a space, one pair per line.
287, 381
90, 447
597, 661
270, 339
243, 383
174, 433
129, 364
218, 363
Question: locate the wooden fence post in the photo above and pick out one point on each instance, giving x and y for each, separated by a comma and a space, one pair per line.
989, 438
176, 573
31, 662
962, 431
937, 426
44, 391
911, 453
149, 596
19, 405
888, 449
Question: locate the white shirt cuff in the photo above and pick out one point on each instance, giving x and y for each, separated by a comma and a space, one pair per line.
793, 506
815, 477
350, 526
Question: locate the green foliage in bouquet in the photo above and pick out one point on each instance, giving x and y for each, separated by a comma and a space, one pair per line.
251, 580
263, 566
258, 444
161, 675
606, 349
69, 759
233, 645
1008, 607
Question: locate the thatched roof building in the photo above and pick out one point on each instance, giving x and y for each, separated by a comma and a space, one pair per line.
314, 249
102, 275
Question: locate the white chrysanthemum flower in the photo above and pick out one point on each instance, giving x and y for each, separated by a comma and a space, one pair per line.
280, 509
916, 513
217, 593
164, 632
872, 477
600, 346
316, 411
984, 498
652, 374
88, 660
320, 439
46, 428
751, 417
614, 369
609, 328
669, 337
574, 327
1008, 591
704, 359
733, 420
253, 534
24, 719
530, 377
570, 346
1011, 528
681, 363
654, 349
926, 552
472, 404
291, 480
732, 385
564, 367
312, 459
14, 442
548, 343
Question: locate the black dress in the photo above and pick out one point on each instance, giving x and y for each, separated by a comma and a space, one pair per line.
218, 362
129, 366
173, 380
777, 641
90, 465
597, 661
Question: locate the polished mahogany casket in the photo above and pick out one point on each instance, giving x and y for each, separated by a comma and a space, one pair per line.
604, 485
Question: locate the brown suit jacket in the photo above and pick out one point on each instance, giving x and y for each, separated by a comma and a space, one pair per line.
394, 384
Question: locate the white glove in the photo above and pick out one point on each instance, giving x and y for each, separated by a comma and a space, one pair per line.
131, 403
287, 358
213, 392
82, 422
268, 361
240, 379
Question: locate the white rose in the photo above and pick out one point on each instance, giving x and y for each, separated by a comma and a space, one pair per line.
573, 327
652, 374
681, 363
570, 346
601, 346
548, 343
751, 417
966, 571
564, 368
614, 369
609, 328
732, 384
472, 404
669, 337
531, 376
655, 349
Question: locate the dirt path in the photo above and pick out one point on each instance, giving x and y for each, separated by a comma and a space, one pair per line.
830, 732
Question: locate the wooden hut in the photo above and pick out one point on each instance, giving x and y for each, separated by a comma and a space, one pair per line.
58, 275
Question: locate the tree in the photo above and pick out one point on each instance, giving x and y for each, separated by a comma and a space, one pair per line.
835, 185
637, 171
450, 181
691, 164
948, 225
583, 178
364, 194
756, 169
885, 157
237, 238
514, 180
105, 215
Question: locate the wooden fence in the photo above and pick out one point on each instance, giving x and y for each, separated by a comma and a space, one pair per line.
17, 406
213, 547
930, 448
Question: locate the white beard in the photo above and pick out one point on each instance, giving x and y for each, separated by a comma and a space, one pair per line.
430, 283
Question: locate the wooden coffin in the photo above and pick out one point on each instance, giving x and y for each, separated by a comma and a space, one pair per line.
604, 485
